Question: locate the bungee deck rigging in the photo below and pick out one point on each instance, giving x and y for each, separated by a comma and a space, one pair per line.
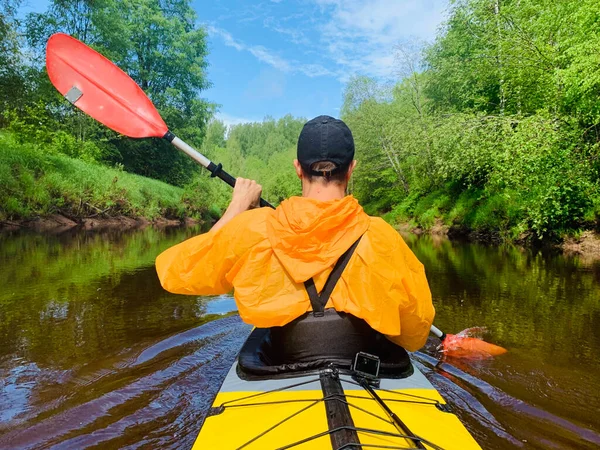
252, 418
319, 348
336, 428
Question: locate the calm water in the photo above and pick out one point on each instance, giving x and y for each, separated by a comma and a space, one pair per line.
94, 354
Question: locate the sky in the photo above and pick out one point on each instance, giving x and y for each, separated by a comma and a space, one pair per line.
278, 57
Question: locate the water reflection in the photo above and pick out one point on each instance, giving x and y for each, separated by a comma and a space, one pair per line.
221, 304
94, 353
545, 309
536, 303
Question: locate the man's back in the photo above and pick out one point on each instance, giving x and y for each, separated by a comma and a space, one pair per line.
267, 255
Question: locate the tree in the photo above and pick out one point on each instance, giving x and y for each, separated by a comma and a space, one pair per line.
158, 43
462, 61
166, 55
98, 23
377, 122
12, 84
216, 132
515, 57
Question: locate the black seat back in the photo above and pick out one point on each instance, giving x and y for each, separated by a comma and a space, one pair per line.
336, 335
309, 343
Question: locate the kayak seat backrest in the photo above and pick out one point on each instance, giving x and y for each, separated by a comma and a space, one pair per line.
310, 343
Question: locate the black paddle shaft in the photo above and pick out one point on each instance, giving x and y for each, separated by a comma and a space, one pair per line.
216, 170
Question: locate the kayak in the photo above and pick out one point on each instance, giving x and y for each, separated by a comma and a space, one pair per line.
328, 404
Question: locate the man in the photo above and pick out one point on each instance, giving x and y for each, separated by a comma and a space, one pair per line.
274, 258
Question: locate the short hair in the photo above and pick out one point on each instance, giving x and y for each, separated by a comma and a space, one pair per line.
326, 167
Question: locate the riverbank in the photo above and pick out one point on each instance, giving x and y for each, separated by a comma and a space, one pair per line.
47, 191
57, 223
585, 244
477, 215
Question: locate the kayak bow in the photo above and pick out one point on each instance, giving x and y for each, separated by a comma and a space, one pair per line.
329, 408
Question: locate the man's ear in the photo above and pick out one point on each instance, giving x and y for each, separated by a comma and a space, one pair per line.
298, 168
351, 169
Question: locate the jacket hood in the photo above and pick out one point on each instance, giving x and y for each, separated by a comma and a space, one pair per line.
308, 235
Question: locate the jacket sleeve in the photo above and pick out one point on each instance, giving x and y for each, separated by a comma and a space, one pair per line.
417, 313
199, 266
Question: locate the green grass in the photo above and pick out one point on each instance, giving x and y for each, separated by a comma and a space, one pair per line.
38, 183
500, 214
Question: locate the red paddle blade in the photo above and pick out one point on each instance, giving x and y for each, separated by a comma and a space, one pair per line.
100, 89
469, 347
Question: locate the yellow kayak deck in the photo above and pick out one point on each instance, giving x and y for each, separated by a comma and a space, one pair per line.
293, 413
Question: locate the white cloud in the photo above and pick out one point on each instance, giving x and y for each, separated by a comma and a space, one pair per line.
296, 36
270, 57
382, 21
360, 35
227, 38
341, 38
260, 52
315, 70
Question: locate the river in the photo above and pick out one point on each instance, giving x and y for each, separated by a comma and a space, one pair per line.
94, 354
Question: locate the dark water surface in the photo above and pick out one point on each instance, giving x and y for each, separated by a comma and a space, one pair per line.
94, 354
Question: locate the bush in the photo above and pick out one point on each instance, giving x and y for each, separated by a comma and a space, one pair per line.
40, 182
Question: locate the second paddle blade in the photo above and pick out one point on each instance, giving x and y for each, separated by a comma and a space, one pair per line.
469, 347
100, 89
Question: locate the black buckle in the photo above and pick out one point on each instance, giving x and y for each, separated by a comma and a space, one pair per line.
215, 411
444, 407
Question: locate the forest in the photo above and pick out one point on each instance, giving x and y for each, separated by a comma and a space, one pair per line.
493, 128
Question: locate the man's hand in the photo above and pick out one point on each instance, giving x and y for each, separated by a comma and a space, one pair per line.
246, 195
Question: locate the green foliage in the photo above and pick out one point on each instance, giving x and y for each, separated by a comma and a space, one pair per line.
157, 42
508, 175
165, 53
153, 158
464, 208
36, 182
204, 190
497, 129
12, 82
541, 166
500, 131
264, 152
592, 217
509, 56
215, 137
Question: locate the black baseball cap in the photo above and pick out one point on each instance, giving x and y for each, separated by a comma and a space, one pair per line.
325, 139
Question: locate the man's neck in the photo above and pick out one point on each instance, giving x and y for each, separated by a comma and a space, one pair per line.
322, 192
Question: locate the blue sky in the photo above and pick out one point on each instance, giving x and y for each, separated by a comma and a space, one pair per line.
274, 57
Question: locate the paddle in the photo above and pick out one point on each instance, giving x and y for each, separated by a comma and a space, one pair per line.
103, 91
462, 345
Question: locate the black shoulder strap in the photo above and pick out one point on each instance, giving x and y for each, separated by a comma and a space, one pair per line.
318, 301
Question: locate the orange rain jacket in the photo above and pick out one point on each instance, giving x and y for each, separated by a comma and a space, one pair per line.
266, 255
